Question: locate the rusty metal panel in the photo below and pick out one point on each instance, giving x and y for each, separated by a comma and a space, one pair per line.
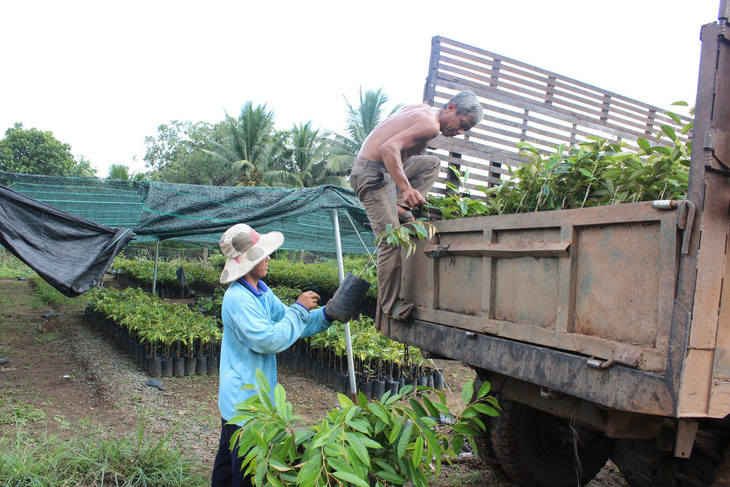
527, 289
702, 385
605, 274
618, 282
722, 346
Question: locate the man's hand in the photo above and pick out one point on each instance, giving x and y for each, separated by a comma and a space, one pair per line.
308, 299
412, 198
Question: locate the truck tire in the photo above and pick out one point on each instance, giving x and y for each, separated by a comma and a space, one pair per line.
722, 476
537, 449
639, 462
643, 465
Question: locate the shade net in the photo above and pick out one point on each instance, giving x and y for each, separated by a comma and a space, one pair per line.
200, 214
70, 253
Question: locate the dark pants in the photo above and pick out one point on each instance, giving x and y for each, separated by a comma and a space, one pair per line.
227, 466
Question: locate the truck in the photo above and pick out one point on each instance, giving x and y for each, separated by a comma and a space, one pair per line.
605, 331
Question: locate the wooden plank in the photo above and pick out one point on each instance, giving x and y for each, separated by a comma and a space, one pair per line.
612, 214
558, 94
517, 249
477, 150
711, 262
429, 89
484, 164
591, 96
555, 112
564, 80
510, 89
566, 305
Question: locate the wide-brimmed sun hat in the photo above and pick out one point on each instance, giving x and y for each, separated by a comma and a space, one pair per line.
244, 248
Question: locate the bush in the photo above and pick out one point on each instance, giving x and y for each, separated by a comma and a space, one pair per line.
367, 444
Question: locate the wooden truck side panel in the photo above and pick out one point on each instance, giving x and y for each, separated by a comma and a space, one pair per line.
598, 281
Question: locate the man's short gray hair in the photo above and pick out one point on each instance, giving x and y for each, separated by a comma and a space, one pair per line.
467, 102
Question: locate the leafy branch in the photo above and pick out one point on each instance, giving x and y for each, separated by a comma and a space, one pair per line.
376, 443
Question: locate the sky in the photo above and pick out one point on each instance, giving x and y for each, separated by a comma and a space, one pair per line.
101, 75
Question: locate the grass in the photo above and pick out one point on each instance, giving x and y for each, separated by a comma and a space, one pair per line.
20, 414
47, 295
11, 267
96, 458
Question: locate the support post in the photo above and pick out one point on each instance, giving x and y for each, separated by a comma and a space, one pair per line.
154, 276
348, 337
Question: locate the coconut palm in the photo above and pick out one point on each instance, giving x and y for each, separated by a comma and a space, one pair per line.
120, 171
361, 120
252, 146
307, 161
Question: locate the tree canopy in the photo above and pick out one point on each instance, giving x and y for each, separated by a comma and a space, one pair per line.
248, 151
177, 154
33, 151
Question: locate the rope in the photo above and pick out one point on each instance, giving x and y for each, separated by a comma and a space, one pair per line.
347, 213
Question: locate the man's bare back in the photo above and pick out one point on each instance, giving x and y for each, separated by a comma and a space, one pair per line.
419, 124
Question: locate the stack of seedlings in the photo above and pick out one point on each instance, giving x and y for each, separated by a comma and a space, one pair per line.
166, 339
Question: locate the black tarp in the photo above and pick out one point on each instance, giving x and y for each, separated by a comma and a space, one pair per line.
70, 253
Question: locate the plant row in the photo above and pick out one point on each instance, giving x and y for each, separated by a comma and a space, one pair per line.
376, 357
172, 339
175, 278
167, 339
380, 364
320, 277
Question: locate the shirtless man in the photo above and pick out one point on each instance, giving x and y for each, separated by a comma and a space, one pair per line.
390, 177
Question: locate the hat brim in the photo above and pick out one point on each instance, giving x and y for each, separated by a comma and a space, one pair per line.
241, 266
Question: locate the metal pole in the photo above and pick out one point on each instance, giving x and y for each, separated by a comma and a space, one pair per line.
348, 337
154, 277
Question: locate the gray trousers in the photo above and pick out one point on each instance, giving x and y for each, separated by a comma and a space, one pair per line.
379, 195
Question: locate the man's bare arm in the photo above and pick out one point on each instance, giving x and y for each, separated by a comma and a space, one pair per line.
391, 151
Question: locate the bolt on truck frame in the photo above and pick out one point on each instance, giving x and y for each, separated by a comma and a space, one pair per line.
605, 331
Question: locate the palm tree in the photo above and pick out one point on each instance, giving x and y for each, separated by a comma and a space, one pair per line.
307, 161
251, 146
120, 171
361, 121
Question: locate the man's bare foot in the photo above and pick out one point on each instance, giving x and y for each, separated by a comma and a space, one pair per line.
405, 215
401, 311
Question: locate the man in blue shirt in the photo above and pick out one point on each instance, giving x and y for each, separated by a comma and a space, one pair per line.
256, 326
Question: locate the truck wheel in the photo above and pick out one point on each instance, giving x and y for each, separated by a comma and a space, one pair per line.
639, 462
722, 476
537, 449
643, 465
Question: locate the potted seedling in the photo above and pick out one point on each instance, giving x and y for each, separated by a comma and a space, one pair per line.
353, 289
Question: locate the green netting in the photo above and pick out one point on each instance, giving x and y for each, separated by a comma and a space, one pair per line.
200, 214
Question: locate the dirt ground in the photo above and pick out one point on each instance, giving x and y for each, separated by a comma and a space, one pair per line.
64, 376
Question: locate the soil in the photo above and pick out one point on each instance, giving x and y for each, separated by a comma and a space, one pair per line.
63, 376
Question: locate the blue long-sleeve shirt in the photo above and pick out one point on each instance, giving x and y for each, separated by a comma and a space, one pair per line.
257, 325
